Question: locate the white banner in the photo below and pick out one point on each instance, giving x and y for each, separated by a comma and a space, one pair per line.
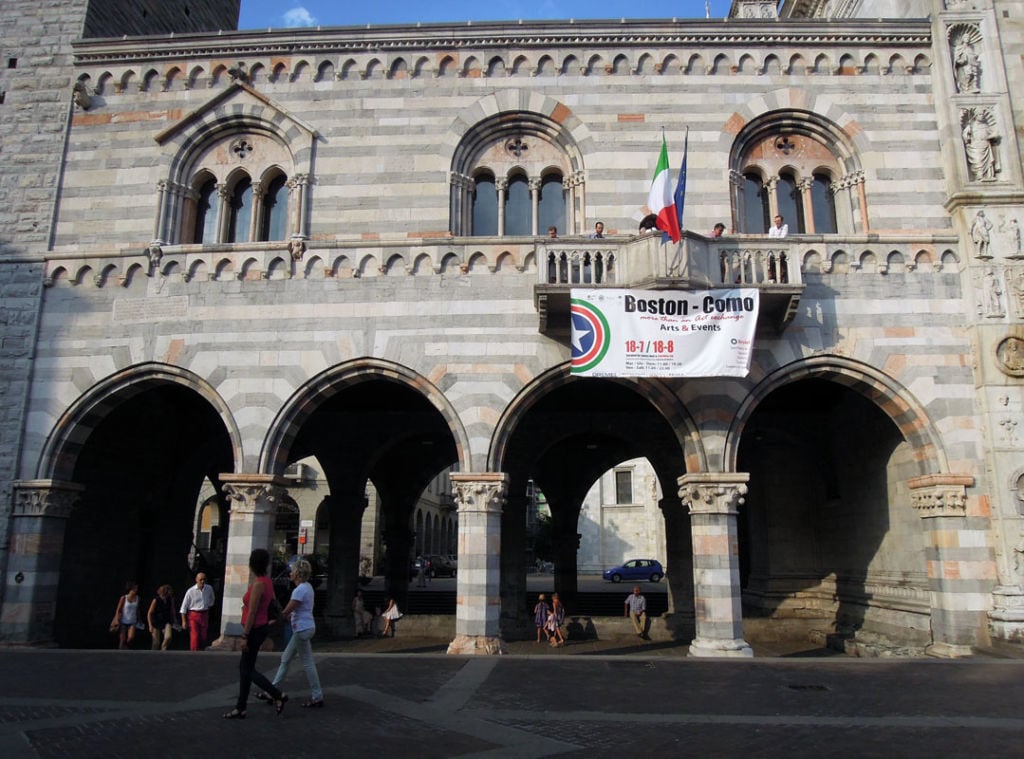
663, 333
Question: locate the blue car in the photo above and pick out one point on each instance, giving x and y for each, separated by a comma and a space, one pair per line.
636, 569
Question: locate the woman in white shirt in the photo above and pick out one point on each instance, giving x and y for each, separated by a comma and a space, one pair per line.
127, 615
299, 612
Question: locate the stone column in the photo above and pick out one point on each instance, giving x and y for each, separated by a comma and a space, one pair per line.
535, 205
253, 499
480, 498
346, 515
514, 603
712, 500
39, 518
961, 566
679, 566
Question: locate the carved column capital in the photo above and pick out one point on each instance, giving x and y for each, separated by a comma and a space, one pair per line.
713, 493
485, 492
252, 493
940, 495
45, 498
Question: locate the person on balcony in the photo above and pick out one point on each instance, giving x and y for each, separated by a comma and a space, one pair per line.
598, 231
779, 228
719, 230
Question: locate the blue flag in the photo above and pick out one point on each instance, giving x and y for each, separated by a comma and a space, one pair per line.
680, 193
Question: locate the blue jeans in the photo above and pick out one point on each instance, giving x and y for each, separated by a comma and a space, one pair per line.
300, 641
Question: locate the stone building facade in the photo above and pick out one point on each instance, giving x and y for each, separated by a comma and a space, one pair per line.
223, 253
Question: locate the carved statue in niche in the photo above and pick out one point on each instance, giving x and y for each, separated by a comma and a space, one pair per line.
1016, 278
1011, 228
966, 62
981, 235
992, 296
980, 142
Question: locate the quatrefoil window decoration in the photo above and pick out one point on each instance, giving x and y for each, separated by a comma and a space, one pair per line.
516, 147
242, 148
785, 145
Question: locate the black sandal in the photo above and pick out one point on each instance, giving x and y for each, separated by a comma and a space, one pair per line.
313, 704
234, 714
280, 702
265, 697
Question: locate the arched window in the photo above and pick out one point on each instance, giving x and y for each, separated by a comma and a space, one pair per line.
240, 211
509, 177
518, 210
789, 204
801, 159
753, 204
485, 207
205, 227
551, 205
274, 222
824, 205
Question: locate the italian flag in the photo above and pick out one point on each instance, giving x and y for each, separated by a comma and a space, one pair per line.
661, 199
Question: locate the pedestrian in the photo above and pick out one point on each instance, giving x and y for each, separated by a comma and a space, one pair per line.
421, 572
161, 618
362, 617
126, 616
556, 617
636, 610
195, 612
299, 612
391, 615
779, 229
540, 616
255, 626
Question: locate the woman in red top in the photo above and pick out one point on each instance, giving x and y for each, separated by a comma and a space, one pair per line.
255, 603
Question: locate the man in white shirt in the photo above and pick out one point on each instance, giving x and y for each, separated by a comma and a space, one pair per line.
779, 228
195, 612
636, 610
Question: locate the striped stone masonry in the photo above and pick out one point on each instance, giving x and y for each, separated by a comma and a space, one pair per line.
712, 500
253, 510
480, 499
961, 569
41, 511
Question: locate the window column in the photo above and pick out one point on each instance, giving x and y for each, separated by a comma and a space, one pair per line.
804, 186
257, 211
223, 212
501, 185
534, 185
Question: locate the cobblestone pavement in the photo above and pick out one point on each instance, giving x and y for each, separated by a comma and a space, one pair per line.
404, 699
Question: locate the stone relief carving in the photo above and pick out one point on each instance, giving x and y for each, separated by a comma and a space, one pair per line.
991, 305
965, 41
1010, 353
1010, 228
981, 143
981, 235
1015, 277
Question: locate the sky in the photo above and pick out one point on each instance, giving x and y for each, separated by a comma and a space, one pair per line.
261, 14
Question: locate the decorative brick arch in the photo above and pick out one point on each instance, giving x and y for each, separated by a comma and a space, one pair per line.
654, 391
67, 439
308, 398
894, 400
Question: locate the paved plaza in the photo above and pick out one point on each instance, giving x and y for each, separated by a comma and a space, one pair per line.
403, 699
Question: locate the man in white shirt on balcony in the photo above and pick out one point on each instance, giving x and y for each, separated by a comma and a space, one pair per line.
779, 228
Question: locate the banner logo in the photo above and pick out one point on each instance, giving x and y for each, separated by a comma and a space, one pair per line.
590, 336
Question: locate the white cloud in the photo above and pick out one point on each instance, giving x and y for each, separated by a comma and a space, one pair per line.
298, 17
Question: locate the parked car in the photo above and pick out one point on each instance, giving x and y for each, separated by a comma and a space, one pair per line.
636, 569
439, 565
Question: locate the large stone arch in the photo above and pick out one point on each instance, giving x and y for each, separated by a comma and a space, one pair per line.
893, 399
273, 457
65, 441
655, 391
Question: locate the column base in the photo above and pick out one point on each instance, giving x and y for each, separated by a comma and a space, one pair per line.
1006, 620
948, 651
477, 645
708, 648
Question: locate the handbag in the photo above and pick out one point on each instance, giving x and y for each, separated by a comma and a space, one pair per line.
115, 626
